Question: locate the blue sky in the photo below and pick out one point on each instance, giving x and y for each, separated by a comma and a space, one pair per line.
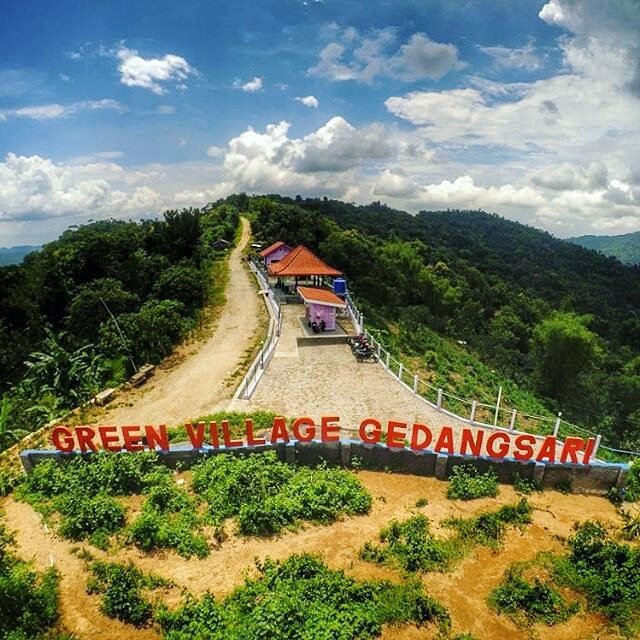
123, 109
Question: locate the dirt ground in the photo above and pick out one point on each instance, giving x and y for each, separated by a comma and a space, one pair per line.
463, 591
200, 383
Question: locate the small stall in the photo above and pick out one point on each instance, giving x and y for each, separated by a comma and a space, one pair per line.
275, 253
320, 307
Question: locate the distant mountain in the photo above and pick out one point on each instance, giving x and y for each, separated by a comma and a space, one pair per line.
14, 255
625, 247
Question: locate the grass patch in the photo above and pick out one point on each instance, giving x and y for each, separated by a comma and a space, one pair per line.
529, 602
267, 495
261, 420
301, 598
467, 483
410, 545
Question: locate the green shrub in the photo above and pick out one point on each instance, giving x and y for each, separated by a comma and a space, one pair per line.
632, 483
9, 480
530, 602
488, 528
28, 599
169, 520
300, 598
467, 483
83, 516
525, 487
267, 495
121, 588
631, 525
410, 545
606, 571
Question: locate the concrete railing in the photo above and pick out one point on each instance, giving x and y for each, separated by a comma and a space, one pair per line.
251, 379
595, 478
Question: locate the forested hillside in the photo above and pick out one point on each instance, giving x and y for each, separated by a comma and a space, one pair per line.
556, 323
625, 247
104, 298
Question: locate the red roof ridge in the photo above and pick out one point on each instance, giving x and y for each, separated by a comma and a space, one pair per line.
271, 248
302, 262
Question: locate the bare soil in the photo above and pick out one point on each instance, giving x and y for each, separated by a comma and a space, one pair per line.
200, 381
463, 591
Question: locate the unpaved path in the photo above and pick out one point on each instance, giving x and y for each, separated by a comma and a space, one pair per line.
199, 384
463, 591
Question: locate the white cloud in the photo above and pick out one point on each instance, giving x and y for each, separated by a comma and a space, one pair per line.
215, 152
309, 101
149, 73
164, 110
253, 85
364, 58
516, 58
54, 110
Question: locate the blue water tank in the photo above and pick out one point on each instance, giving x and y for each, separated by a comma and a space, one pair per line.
340, 287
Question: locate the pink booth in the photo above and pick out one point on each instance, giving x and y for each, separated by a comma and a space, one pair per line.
320, 306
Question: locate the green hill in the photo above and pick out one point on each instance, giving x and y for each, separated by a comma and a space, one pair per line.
625, 247
14, 255
477, 300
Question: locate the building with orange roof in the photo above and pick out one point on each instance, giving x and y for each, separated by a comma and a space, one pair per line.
302, 263
275, 253
320, 306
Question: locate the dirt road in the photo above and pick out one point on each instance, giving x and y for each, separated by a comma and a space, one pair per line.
199, 383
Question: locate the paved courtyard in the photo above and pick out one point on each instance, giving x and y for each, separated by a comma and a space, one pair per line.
326, 379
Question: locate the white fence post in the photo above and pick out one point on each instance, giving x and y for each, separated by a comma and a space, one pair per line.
388, 359
415, 383
512, 424
556, 427
596, 446
400, 372
379, 350
474, 405
439, 400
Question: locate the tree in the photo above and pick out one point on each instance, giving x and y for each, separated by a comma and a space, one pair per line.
182, 283
564, 350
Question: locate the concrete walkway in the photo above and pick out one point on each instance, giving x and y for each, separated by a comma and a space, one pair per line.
318, 380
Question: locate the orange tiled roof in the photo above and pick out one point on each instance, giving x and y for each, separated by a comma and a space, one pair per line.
302, 262
321, 296
274, 247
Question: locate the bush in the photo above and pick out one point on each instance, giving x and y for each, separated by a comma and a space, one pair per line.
530, 602
467, 483
607, 572
410, 545
632, 484
169, 520
121, 589
525, 487
301, 598
28, 600
267, 495
83, 516
488, 528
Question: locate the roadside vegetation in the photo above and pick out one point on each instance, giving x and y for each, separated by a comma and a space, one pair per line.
105, 297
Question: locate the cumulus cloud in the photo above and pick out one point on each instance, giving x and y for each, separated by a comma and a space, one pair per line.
325, 160
514, 58
309, 101
152, 73
253, 85
54, 110
353, 56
